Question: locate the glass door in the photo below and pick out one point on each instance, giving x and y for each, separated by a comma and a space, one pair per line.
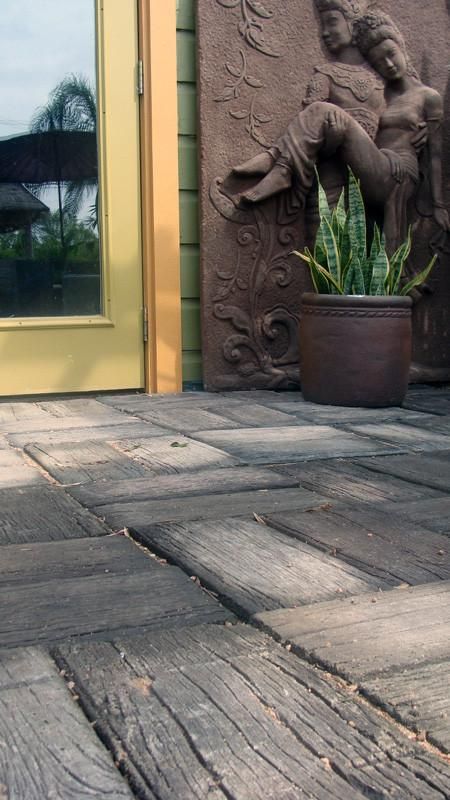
70, 260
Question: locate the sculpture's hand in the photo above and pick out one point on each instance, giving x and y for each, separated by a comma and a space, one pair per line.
420, 138
397, 170
440, 215
336, 126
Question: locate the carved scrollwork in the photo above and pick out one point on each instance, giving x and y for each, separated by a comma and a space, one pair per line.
254, 117
262, 262
250, 27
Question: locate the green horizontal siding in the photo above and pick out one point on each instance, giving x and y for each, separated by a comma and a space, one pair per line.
188, 172
190, 271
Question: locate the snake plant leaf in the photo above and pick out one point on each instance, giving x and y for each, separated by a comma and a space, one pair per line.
324, 208
397, 263
345, 246
358, 286
357, 215
380, 270
420, 277
324, 275
348, 277
340, 210
320, 283
368, 265
340, 264
332, 251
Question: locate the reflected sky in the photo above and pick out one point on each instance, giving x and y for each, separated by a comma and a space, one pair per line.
42, 41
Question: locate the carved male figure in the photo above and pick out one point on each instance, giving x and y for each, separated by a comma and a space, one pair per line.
348, 82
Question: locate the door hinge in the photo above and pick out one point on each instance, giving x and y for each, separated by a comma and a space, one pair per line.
145, 324
140, 77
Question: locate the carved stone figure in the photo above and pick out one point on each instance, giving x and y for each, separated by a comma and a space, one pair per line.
387, 168
348, 82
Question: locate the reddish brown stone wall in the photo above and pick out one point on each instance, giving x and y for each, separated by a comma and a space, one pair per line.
255, 62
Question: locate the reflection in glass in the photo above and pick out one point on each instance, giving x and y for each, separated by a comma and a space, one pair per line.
49, 239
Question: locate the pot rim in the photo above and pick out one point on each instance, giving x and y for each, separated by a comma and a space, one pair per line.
356, 300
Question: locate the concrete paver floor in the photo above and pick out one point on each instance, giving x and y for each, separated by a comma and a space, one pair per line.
235, 596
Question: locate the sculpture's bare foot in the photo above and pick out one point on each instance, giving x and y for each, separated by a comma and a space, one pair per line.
258, 165
278, 179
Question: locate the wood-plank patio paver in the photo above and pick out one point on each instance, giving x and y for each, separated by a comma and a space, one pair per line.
15, 470
79, 430
227, 712
174, 453
44, 514
429, 400
256, 567
74, 558
313, 413
345, 479
80, 591
433, 513
302, 443
140, 516
375, 542
82, 462
372, 634
47, 747
419, 697
406, 436
183, 484
424, 469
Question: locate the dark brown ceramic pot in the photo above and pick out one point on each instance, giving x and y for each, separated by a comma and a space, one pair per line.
355, 350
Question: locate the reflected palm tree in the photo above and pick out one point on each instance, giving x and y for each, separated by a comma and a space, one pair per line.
71, 107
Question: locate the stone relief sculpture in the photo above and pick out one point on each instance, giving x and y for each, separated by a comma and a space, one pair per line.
388, 167
365, 107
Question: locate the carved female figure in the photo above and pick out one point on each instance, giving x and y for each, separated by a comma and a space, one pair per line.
387, 168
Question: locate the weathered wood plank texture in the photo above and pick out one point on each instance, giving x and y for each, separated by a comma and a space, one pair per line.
80, 462
431, 469
82, 431
80, 407
226, 712
141, 516
355, 482
96, 599
336, 415
256, 567
167, 455
186, 484
393, 551
249, 414
434, 401
75, 558
408, 437
433, 513
44, 514
371, 634
275, 445
16, 471
419, 697
185, 419
439, 424
47, 747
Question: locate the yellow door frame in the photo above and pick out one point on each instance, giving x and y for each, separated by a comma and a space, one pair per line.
160, 194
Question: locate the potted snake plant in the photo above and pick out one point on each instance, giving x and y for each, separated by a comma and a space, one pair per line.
355, 329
